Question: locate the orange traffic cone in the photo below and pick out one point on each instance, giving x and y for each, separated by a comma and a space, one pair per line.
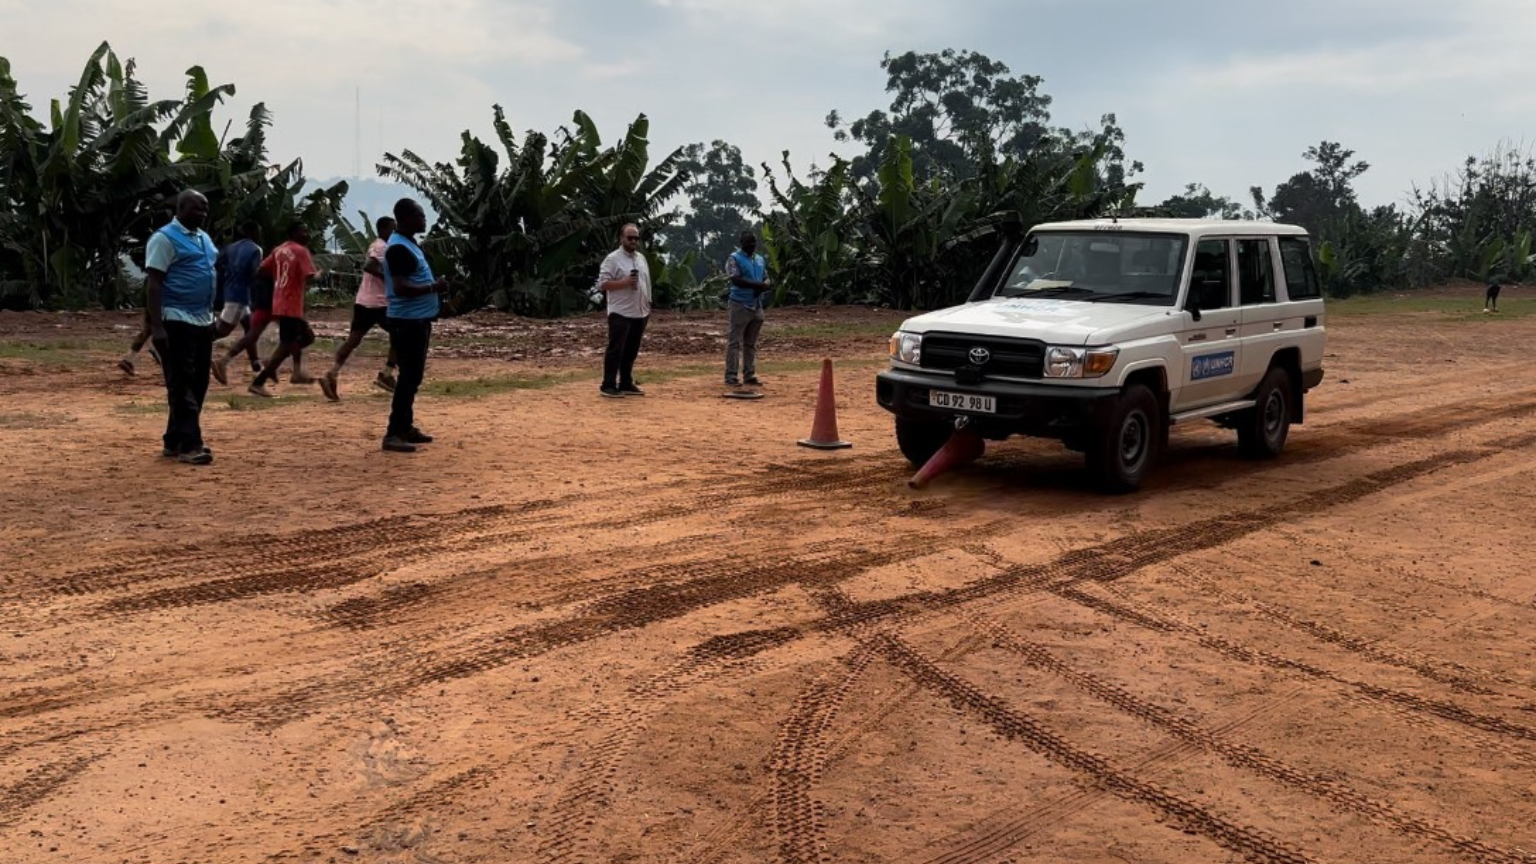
962, 448
824, 427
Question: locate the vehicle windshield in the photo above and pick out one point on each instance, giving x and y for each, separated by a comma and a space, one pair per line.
1097, 266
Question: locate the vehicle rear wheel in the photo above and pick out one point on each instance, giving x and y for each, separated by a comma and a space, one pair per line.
1262, 429
1120, 454
919, 439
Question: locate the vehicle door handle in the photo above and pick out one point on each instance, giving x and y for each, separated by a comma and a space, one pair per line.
1279, 325
1198, 337
1231, 331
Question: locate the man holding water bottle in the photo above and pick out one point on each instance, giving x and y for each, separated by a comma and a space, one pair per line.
625, 279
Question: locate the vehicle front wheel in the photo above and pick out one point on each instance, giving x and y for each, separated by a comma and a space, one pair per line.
1262, 430
1120, 454
920, 439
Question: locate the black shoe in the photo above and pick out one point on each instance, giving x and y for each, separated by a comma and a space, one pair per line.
611, 392
754, 381
196, 457
732, 382
168, 453
631, 390
416, 436
397, 444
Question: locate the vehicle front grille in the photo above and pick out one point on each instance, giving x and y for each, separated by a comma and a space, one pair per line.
1010, 358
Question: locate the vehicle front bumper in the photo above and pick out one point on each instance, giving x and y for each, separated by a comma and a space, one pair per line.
1041, 410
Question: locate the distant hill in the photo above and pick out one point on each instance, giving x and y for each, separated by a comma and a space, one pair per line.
372, 196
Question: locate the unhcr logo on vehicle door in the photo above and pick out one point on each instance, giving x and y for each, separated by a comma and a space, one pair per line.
1212, 365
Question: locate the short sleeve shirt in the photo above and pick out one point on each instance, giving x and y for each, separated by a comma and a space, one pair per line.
290, 266
241, 259
629, 302
371, 292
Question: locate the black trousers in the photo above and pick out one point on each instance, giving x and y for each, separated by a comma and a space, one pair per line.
185, 357
623, 347
408, 338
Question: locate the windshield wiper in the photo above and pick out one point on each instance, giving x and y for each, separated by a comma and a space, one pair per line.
1051, 291
1131, 295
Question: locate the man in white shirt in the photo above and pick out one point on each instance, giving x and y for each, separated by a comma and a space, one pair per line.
625, 279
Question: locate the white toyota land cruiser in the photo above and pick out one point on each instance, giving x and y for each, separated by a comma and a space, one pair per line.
1102, 334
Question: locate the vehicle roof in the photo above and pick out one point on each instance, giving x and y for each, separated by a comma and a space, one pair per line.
1225, 227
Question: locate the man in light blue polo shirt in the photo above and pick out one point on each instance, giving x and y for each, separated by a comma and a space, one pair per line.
179, 261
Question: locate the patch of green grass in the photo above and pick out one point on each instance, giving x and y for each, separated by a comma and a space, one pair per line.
236, 402
63, 353
1450, 308
475, 388
834, 330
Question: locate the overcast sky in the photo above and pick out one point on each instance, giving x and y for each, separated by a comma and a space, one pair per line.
1224, 93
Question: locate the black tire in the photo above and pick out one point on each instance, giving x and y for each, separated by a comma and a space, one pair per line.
920, 439
1121, 453
1262, 430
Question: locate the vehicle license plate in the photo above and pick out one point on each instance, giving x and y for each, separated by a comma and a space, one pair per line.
963, 402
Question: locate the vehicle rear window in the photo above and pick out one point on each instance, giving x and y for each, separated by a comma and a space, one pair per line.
1300, 276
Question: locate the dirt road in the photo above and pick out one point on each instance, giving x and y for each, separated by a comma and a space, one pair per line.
654, 630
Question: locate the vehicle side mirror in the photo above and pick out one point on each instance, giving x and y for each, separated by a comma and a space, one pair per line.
1192, 302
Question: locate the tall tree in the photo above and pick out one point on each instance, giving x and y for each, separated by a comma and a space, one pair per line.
1198, 202
722, 202
1321, 197
954, 106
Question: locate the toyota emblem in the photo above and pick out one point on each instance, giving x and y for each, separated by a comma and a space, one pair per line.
980, 356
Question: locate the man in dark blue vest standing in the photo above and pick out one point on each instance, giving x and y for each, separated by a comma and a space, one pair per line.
412, 293
179, 260
749, 282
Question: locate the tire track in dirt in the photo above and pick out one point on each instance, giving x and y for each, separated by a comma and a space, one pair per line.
1467, 679
414, 537
342, 562
726, 837
1125, 609
38, 785
332, 557
800, 753
1018, 726
1242, 756
1002, 831
667, 592
590, 791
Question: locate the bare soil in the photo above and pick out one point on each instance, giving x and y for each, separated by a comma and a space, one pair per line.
655, 630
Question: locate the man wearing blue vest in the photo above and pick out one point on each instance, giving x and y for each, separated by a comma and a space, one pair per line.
749, 282
412, 293
179, 260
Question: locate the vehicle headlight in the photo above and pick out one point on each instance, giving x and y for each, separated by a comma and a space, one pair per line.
1066, 362
907, 348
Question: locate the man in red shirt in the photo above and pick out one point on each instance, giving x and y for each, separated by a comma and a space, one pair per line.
291, 268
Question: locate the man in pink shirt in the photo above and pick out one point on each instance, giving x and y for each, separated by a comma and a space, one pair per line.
368, 311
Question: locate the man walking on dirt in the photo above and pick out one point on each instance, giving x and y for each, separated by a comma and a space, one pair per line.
749, 283
236, 267
412, 293
178, 261
291, 268
625, 278
369, 310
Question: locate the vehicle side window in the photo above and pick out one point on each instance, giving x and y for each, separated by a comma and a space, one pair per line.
1255, 272
1300, 277
1210, 281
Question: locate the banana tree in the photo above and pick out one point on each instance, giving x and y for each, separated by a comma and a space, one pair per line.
84, 185
808, 233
